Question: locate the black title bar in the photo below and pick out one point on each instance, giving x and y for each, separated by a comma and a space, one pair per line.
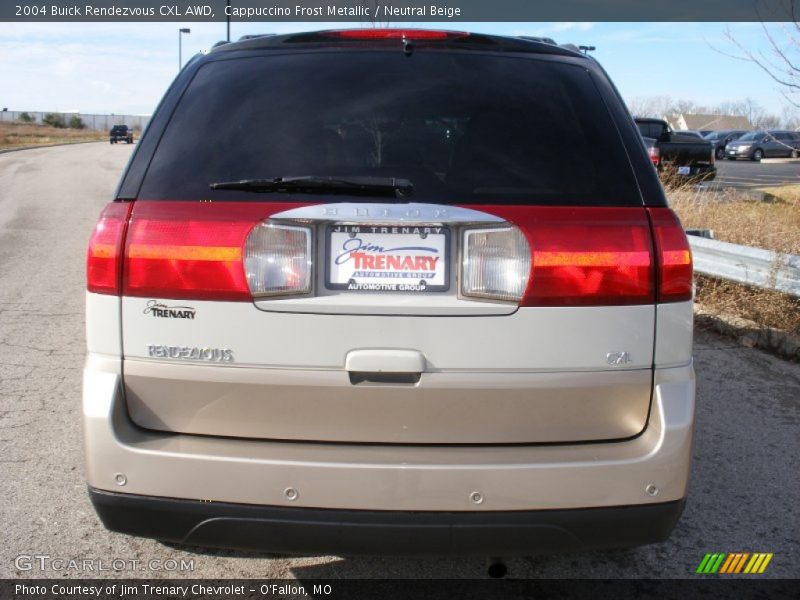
398, 11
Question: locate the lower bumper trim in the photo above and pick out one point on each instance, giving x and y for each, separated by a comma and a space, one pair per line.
314, 531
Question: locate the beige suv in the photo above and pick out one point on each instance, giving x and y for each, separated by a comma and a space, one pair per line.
390, 291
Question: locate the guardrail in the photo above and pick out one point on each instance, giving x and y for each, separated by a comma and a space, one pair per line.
753, 266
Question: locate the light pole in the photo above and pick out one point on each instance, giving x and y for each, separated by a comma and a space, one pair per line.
181, 31
228, 20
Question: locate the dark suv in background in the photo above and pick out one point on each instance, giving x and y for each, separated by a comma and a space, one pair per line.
120, 133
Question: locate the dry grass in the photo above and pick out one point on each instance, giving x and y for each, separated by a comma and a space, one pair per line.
783, 193
21, 135
742, 219
739, 219
765, 307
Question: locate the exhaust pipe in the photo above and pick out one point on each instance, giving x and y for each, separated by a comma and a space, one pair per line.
496, 569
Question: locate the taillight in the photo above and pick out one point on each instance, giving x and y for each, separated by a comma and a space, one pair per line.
191, 250
389, 34
584, 256
278, 260
495, 263
655, 155
104, 256
674, 256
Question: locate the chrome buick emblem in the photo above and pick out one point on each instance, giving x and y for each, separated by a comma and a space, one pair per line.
412, 212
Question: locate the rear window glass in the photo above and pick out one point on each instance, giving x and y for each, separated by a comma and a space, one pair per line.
651, 130
753, 135
464, 128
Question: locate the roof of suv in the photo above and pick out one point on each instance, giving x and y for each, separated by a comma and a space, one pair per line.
431, 38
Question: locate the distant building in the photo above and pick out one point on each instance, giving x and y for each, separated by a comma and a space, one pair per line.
714, 122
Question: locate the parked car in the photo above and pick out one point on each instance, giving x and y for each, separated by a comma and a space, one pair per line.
756, 145
719, 139
680, 154
120, 133
388, 318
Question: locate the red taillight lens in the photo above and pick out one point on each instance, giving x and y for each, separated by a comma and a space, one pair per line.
655, 155
585, 256
104, 256
674, 256
391, 34
191, 250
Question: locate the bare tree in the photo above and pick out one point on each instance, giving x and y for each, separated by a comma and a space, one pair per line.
374, 20
668, 107
651, 106
781, 58
790, 118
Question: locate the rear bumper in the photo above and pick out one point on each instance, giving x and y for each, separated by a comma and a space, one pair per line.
739, 152
548, 492
319, 531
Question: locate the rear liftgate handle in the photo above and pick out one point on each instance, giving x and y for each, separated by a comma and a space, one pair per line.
384, 365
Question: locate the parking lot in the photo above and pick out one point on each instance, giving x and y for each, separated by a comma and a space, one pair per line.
743, 495
745, 174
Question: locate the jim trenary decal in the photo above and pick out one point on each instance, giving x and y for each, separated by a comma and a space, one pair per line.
388, 258
159, 310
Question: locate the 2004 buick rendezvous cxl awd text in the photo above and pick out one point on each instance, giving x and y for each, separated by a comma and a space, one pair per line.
390, 291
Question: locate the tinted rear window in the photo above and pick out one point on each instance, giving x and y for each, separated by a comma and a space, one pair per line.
651, 129
463, 127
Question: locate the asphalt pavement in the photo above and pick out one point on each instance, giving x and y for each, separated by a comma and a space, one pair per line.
743, 495
746, 174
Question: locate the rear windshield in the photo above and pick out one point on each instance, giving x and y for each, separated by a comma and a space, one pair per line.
462, 127
753, 135
651, 129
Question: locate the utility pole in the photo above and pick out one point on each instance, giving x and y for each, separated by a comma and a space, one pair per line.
228, 20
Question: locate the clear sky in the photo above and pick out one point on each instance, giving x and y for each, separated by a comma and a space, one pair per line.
125, 67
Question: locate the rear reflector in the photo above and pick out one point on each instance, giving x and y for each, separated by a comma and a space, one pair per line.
585, 256
391, 34
496, 263
191, 250
278, 260
104, 256
674, 256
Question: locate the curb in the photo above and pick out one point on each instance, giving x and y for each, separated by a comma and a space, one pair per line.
749, 333
7, 150
780, 161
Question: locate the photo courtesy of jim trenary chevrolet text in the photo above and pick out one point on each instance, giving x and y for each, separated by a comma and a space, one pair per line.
414, 298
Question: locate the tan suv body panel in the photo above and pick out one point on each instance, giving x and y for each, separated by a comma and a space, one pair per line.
537, 375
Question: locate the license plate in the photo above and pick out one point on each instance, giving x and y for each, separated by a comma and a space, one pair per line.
684, 170
387, 258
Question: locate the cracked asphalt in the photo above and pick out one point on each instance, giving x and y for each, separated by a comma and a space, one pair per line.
746, 474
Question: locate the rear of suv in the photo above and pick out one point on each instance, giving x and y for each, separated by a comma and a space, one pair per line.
378, 310
120, 133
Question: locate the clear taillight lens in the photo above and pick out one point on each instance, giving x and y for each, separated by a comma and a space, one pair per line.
496, 263
277, 260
